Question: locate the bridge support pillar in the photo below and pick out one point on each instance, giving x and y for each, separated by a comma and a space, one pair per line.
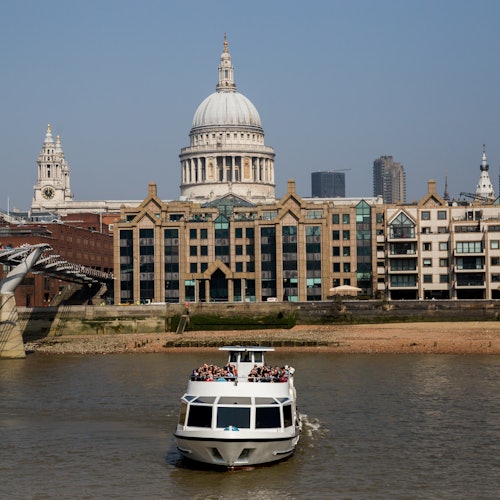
11, 338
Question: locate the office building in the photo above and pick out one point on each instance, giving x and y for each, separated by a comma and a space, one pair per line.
328, 184
389, 180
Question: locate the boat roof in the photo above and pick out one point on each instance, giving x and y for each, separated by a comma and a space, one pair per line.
240, 348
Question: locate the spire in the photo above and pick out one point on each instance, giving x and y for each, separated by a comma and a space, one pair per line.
48, 136
58, 145
446, 196
484, 164
226, 71
484, 189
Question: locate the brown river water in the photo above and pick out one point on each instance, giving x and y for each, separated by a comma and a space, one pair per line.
374, 426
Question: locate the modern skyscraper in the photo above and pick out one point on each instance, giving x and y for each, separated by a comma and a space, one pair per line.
389, 180
328, 184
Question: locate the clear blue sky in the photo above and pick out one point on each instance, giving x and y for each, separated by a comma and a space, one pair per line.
336, 83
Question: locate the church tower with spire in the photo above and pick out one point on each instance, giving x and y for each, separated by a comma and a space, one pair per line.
52, 188
484, 189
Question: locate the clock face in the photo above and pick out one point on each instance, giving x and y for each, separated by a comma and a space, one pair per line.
48, 192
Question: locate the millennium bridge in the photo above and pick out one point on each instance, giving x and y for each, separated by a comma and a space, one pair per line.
35, 259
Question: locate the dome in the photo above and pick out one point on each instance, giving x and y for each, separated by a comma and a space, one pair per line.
226, 108
227, 154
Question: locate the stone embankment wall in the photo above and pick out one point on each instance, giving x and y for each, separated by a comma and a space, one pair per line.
90, 320
370, 311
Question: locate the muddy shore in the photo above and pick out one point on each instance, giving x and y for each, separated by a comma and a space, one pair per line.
437, 338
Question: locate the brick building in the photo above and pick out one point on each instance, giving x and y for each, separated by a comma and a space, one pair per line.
73, 244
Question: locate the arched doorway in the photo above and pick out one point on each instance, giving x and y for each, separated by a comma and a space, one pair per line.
219, 287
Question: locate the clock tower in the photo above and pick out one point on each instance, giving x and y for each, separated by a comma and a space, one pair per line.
52, 188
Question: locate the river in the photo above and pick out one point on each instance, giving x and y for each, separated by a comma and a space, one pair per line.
374, 426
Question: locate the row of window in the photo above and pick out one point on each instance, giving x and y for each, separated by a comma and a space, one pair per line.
465, 280
238, 233
346, 218
201, 137
202, 250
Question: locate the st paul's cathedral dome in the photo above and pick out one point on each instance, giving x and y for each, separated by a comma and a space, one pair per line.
227, 153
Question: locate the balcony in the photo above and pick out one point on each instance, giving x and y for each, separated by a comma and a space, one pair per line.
409, 286
403, 270
402, 235
477, 283
404, 283
465, 269
402, 250
471, 252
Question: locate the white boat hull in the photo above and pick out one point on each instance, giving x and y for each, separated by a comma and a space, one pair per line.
249, 420
236, 452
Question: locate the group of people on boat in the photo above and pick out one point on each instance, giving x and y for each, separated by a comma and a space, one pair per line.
265, 373
209, 373
228, 373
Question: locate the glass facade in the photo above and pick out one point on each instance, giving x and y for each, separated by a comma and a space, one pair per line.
363, 245
313, 262
146, 264
268, 261
290, 262
126, 265
171, 256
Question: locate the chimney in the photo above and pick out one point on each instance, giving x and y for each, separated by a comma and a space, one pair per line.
152, 189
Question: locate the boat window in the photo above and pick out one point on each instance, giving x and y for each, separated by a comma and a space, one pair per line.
182, 413
234, 416
200, 416
245, 357
188, 398
283, 400
287, 415
265, 401
257, 357
233, 357
267, 418
225, 400
209, 400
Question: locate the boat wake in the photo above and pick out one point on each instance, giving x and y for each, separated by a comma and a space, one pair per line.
312, 429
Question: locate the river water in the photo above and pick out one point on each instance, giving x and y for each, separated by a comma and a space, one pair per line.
375, 426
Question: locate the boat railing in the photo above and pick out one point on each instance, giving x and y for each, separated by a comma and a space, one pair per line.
262, 373
239, 379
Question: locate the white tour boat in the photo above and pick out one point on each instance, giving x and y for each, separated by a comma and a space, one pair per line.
241, 414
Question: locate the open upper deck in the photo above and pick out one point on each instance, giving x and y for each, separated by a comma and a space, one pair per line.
245, 364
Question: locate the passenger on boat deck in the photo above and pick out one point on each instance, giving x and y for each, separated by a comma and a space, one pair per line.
265, 373
208, 373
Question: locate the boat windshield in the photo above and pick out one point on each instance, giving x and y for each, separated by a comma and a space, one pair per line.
236, 413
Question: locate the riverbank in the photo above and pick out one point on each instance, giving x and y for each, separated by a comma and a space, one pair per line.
477, 337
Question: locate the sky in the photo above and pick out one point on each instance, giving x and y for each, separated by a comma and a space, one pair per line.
336, 83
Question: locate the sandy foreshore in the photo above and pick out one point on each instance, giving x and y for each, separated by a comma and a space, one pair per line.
435, 338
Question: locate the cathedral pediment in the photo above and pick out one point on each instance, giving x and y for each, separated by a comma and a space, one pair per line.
229, 199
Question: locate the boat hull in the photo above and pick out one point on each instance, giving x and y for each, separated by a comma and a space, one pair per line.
236, 452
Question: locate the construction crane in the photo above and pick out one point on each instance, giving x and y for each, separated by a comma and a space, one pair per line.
477, 197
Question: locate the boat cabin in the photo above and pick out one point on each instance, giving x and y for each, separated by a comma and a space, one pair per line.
244, 358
